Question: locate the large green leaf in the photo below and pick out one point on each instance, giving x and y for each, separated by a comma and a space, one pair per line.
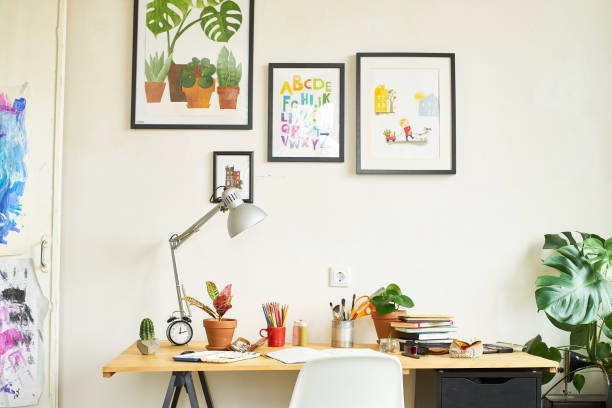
537, 347
164, 15
220, 25
579, 295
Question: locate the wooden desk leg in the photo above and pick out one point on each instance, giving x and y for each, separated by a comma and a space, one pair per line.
207, 397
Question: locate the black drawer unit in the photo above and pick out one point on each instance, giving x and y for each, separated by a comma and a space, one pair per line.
482, 389
574, 401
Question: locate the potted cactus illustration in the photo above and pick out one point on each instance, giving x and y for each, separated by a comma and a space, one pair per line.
147, 343
156, 70
218, 20
228, 75
197, 82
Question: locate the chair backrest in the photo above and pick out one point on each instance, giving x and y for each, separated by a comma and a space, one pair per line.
339, 381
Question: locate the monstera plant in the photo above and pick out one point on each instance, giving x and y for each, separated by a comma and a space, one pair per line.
219, 20
578, 300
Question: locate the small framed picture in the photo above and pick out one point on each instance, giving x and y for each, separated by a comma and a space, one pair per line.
233, 169
306, 112
405, 113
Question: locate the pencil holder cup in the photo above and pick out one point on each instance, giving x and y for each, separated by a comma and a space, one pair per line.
275, 335
342, 333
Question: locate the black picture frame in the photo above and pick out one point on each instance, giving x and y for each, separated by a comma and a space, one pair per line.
227, 25
406, 113
305, 112
241, 162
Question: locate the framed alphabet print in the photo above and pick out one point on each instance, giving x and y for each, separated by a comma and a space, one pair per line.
306, 112
233, 169
405, 113
192, 64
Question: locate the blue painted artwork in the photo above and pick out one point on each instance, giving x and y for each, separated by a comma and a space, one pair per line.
13, 174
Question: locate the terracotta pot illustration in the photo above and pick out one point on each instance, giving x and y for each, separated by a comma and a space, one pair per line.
174, 83
228, 96
154, 91
198, 97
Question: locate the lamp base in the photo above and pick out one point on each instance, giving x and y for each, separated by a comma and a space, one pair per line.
574, 401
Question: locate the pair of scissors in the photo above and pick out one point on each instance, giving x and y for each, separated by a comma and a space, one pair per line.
362, 307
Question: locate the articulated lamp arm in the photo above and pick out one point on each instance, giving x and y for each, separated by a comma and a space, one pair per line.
177, 240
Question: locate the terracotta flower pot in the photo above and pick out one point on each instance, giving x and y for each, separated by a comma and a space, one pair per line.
174, 83
382, 323
228, 96
219, 333
154, 91
198, 97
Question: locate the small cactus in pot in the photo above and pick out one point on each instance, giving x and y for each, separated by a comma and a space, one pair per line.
147, 344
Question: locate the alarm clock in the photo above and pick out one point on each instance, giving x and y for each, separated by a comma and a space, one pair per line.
179, 331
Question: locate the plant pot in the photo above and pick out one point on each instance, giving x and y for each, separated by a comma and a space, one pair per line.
219, 333
198, 97
174, 83
382, 323
228, 96
154, 91
147, 346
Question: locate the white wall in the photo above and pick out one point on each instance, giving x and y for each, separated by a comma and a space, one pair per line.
534, 136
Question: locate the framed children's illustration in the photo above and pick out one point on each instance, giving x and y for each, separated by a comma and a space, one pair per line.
192, 64
233, 169
406, 113
306, 112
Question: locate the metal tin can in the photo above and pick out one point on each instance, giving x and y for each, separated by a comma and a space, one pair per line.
300, 333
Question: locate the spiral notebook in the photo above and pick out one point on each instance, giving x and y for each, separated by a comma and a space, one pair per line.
215, 356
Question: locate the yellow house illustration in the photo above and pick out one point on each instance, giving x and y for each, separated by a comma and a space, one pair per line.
383, 99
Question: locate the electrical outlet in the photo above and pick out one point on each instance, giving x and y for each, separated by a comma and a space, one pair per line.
339, 276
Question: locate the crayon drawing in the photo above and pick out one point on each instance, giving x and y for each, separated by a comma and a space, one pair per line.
13, 175
22, 311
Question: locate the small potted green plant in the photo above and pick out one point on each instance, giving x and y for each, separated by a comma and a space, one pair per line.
147, 343
577, 301
219, 330
229, 74
388, 301
197, 82
156, 71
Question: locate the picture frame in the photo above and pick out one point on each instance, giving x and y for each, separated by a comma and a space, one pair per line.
192, 65
406, 113
233, 169
305, 112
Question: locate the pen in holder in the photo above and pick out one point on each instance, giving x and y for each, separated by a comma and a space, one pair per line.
275, 315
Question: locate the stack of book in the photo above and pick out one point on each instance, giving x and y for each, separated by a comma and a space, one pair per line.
425, 332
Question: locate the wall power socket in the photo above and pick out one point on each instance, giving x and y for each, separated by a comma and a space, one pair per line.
339, 276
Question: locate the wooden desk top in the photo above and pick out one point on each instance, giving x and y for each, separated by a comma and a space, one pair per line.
132, 361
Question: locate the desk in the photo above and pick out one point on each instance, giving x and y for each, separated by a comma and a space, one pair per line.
130, 360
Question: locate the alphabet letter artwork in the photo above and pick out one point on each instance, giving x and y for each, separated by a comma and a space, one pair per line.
306, 112
23, 308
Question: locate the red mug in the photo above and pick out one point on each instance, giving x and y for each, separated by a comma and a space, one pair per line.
275, 335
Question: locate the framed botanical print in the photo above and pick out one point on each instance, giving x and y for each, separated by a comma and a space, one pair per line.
233, 169
192, 64
405, 113
306, 112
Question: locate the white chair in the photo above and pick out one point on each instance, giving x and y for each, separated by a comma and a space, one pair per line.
351, 381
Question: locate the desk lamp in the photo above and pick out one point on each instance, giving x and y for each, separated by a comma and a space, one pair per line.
241, 216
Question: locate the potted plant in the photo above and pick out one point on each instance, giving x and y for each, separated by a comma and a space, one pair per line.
387, 301
156, 70
197, 82
219, 20
147, 343
228, 74
578, 301
219, 330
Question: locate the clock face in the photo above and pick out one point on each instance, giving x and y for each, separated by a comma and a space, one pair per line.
179, 332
